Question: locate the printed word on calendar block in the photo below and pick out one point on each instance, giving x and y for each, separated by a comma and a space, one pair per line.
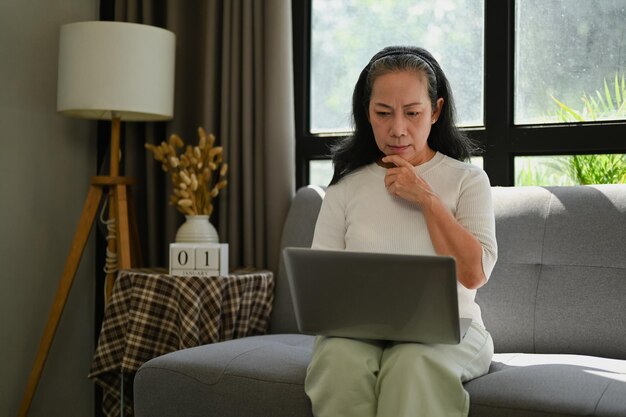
199, 259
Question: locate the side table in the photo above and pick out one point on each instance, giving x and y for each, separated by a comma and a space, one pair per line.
151, 313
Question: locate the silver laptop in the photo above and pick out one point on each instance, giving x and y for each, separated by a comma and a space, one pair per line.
375, 296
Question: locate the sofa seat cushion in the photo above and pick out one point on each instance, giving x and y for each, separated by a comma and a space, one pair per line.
532, 385
264, 375
260, 375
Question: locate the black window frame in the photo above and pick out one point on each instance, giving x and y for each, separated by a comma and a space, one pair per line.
500, 138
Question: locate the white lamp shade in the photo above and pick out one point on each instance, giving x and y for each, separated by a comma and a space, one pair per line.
109, 69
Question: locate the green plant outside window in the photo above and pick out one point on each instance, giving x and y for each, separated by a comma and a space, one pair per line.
608, 103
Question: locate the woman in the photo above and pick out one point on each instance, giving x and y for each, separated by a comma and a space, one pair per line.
400, 185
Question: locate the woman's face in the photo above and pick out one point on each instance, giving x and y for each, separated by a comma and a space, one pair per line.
401, 115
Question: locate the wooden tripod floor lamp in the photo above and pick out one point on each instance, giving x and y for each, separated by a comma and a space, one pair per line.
112, 71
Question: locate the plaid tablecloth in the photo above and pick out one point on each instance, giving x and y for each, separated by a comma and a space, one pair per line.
151, 313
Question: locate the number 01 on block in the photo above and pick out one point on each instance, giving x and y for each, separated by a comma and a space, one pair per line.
199, 259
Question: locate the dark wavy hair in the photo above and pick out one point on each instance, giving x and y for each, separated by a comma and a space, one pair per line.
360, 149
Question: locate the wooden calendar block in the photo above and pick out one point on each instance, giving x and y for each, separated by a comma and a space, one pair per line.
199, 259
182, 256
207, 257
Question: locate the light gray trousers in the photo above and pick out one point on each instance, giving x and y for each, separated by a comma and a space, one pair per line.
348, 377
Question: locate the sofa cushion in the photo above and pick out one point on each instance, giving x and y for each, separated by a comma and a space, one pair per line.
550, 385
264, 375
561, 271
298, 232
260, 375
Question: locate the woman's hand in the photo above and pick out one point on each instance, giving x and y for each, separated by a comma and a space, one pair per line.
402, 181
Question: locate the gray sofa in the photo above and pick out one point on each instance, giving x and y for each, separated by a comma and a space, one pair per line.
555, 306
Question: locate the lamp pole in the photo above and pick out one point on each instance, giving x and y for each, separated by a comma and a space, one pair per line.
114, 172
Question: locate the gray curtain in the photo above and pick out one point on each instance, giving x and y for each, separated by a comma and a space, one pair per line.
233, 77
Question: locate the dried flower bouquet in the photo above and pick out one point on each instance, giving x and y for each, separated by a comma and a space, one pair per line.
198, 174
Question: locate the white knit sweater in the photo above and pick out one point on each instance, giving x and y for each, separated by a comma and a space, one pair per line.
359, 214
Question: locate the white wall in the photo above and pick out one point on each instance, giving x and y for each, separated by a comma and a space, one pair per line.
45, 163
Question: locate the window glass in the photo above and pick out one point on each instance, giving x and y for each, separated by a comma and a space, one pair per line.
570, 169
345, 34
320, 172
478, 161
570, 64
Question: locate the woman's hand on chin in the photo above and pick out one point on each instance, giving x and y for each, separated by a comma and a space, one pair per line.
402, 181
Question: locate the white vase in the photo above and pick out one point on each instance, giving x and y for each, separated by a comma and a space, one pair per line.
197, 229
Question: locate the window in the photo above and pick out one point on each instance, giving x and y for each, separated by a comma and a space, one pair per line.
343, 41
570, 169
535, 81
569, 61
